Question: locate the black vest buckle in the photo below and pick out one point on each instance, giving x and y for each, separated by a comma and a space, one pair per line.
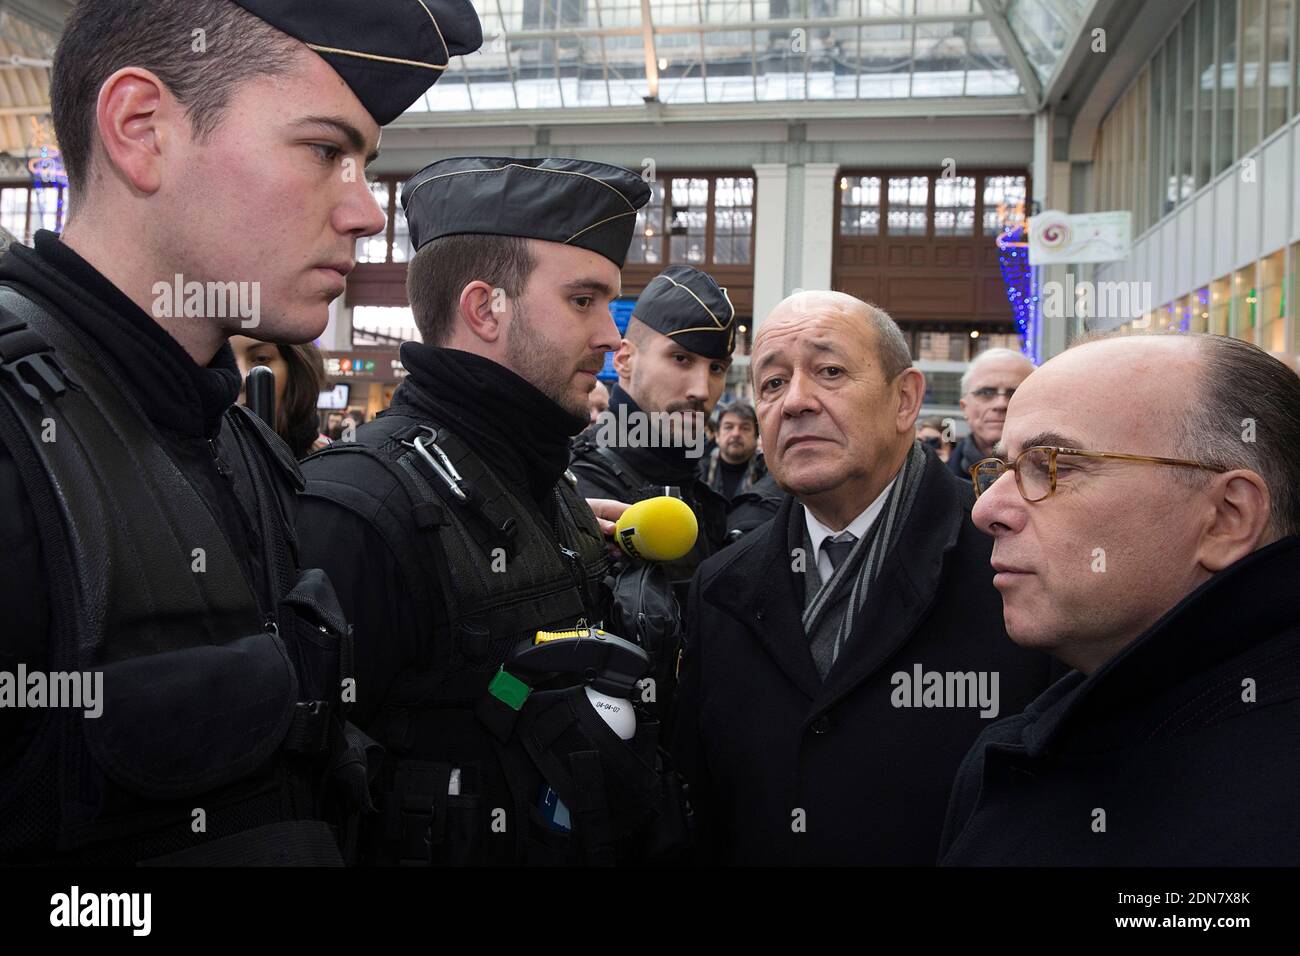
28, 359
309, 728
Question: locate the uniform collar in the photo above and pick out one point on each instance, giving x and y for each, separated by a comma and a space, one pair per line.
521, 432
670, 462
175, 392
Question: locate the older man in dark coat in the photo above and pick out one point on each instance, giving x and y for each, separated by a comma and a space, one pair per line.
842, 657
1148, 540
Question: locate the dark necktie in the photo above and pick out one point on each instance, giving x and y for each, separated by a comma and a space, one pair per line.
823, 641
838, 550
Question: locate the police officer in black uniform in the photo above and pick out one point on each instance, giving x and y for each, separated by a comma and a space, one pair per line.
672, 361
147, 524
455, 535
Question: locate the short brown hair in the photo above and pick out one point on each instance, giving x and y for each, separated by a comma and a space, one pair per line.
441, 269
104, 36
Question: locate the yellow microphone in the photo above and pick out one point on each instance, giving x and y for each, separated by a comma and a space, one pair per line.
657, 529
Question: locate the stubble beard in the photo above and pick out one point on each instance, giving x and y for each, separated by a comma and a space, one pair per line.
536, 360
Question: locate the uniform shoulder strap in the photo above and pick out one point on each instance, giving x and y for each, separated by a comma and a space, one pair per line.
607, 459
361, 478
93, 446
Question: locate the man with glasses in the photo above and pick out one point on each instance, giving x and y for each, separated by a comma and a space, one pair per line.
1146, 537
986, 388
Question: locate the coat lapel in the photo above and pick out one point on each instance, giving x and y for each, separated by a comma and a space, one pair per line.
761, 591
906, 588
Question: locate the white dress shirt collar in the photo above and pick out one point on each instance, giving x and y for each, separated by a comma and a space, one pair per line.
859, 526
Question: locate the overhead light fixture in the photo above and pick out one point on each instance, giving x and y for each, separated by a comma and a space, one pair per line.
974, 333
663, 63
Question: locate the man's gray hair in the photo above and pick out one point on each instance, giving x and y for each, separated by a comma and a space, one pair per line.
891, 344
1246, 414
986, 356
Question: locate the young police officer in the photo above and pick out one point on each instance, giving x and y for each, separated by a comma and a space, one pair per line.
455, 535
672, 367
213, 151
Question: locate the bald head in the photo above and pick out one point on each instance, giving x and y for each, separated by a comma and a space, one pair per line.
1207, 398
1078, 567
837, 400
1135, 390
845, 315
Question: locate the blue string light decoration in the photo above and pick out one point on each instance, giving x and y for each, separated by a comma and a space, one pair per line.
1202, 306
46, 167
1018, 276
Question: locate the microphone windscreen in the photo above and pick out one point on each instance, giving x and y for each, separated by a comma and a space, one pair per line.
657, 529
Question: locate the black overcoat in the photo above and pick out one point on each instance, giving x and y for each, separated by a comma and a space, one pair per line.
784, 768
1182, 750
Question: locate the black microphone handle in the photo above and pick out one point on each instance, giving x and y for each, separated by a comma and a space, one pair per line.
261, 394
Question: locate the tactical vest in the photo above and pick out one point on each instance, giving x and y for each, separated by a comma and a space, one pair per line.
487, 571
218, 717
709, 513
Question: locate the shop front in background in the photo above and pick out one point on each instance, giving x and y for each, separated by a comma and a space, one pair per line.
359, 381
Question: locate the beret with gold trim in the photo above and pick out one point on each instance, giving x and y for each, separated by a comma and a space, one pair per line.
389, 52
570, 201
689, 307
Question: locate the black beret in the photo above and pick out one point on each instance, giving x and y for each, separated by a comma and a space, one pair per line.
686, 305
572, 201
389, 52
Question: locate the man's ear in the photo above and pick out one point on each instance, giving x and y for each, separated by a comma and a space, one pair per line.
134, 116
623, 359
911, 392
482, 310
1239, 525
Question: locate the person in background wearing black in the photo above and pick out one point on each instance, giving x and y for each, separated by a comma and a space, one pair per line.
299, 378
736, 470
736, 464
597, 402
146, 551
931, 432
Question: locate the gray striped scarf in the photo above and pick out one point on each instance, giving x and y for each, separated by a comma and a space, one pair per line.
858, 571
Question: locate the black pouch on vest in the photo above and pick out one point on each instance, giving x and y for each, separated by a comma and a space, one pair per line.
183, 722
425, 823
319, 638
646, 612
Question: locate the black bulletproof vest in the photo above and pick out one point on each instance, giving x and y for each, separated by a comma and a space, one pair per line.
488, 571
216, 714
